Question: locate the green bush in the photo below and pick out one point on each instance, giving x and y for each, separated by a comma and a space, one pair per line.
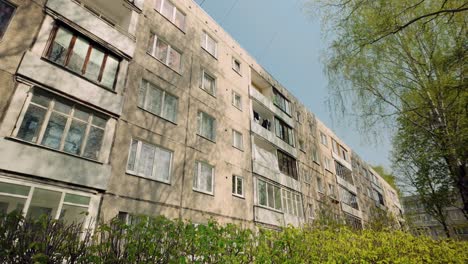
160, 240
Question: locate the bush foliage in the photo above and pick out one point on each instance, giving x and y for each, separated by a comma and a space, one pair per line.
160, 240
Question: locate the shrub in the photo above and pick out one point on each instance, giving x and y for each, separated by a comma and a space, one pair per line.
160, 240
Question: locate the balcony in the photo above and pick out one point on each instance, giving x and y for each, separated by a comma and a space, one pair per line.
112, 21
350, 210
272, 138
344, 162
346, 184
268, 104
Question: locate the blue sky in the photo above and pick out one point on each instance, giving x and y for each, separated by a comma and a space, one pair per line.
287, 41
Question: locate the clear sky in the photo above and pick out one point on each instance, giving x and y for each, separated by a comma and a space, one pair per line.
287, 41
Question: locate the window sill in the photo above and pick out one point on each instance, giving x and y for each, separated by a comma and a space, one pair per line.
211, 94
51, 149
240, 149
283, 111
147, 178
211, 140
302, 150
181, 30
316, 162
238, 196
238, 72
203, 192
269, 208
165, 65
213, 56
238, 108
165, 119
82, 76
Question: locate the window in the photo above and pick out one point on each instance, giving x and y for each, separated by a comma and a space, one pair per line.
284, 132
301, 145
319, 184
208, 83
287, 164
237, 100
6, 13
269, 195
327, 164
315, 156
157, 101
149, 161
172, 13
206, 126
60, 124
298, 117
381, 199
343, 153
209, 44
164, 52
292, 203
334, 146
37, 200
348, 198
237, 185
281, 102
311, 210
83, 57
237, 140
323, 139
204, 176
331, 190
236, 65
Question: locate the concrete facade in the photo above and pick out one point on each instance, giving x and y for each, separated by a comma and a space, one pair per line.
190, 126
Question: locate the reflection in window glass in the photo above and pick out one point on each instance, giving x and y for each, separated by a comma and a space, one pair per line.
32, 123
94, 142
54, 131
44, 202
73, 214
60, 46
78, 55
93, 68
6, 13
75, 137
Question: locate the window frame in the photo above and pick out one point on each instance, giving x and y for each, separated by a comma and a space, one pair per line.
234, 132
204, 45
215, 82
92, 45
149, 85
15, 7
323, 139
275, 188
278, 99
200, 116
137, 160
234, 94
234, 67
287, 134
235, 186
69, 120
291, 164
320, 185
197, 175
174, 14
152, 51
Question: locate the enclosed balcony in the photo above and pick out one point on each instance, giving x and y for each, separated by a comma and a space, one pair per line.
113, 21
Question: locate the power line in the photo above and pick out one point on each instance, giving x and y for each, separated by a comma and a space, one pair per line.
229, 11
201, 3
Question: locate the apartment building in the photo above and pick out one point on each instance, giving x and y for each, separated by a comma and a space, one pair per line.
422, 223
119, 107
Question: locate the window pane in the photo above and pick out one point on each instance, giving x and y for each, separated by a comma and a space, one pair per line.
170, 107
142, 94
54, 131
81, 114
211, 46
132, 156
31, 123
277, 198
262, 193
239, 186
196, 175
163, 164
174, 59
9, 204
76, 199
59, 49
73, 214
161, 50
233, 184
78, 55
153, 102
16, 189
99, 121
110, 72
93, 67
180, 20
167, 9
271, 198
93, 144
74, 139
44, 202
41, 97
208, 83
158, 5
62, 107
207, 177
146, 160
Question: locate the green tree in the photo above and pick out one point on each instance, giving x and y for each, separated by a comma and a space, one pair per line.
388, 177
388, 71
